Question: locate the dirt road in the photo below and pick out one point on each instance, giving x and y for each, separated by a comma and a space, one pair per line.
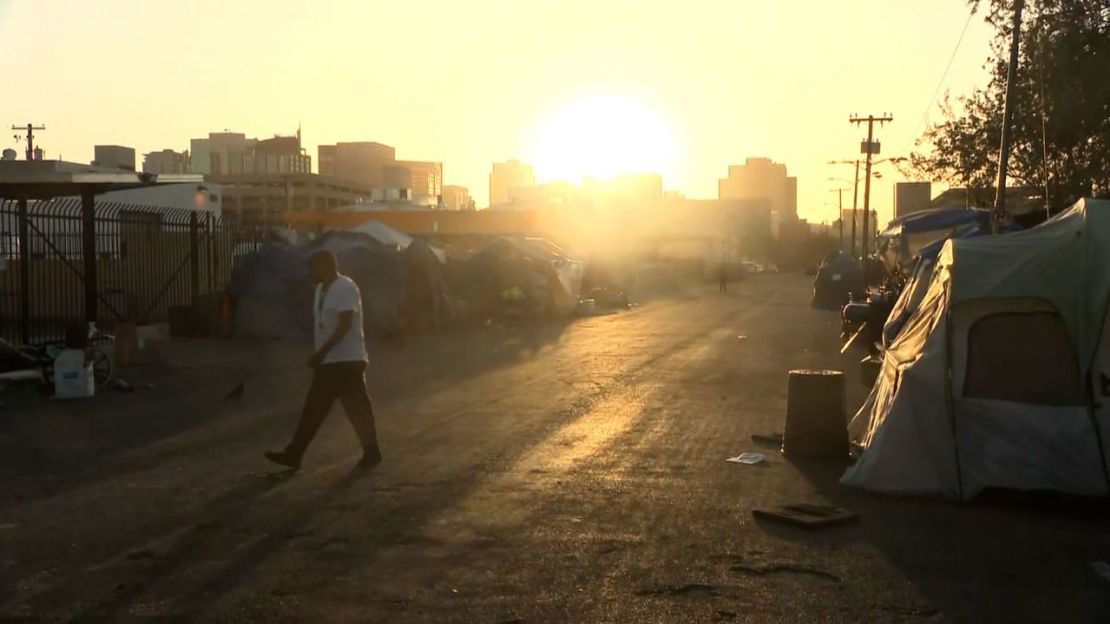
567, 473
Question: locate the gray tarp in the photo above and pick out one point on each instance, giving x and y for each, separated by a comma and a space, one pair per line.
273, 291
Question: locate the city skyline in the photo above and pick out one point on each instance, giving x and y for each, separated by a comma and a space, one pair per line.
790, 87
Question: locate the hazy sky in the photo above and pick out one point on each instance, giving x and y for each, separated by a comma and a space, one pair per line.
473, 82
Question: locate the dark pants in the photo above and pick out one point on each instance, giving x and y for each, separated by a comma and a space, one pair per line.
345, 381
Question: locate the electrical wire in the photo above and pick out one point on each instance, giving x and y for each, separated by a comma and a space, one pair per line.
944, 76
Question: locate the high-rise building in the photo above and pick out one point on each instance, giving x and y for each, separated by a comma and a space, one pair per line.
362, 162
457, 198
232, 153
166, 161
911, 197
222, 153
507, 179
280, 155
424, 178
762, 178
115, 157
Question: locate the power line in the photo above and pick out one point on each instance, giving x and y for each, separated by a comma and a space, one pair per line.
944, 76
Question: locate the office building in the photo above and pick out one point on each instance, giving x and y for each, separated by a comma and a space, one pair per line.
457, 198
909, 197
259, 198
761, 178
362, 162
507, 180
424, 178
279, 155
115, 157
166, 161
233, 154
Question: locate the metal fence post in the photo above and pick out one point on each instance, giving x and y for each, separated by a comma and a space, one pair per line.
88, 247
24, 273
194, 256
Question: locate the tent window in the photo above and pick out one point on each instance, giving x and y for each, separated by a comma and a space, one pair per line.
1022, 357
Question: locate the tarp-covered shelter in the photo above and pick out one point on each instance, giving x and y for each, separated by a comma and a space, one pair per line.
391, 237
839, 276
1001, 376
542, 271
273, 291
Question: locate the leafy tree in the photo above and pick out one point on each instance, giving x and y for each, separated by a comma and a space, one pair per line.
1061, 107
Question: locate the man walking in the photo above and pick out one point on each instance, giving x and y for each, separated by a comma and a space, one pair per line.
722, 278
339, 365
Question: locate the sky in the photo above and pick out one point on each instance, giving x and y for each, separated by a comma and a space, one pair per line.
709, 82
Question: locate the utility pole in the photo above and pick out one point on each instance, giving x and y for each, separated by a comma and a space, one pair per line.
30, 128
868, 148
855, 204
840, 214
999, 212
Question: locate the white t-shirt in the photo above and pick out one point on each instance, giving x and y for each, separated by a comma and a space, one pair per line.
342, 295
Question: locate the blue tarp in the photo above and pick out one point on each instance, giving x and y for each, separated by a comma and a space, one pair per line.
929, 220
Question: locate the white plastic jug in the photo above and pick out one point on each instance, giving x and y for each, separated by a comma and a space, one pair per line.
73, 376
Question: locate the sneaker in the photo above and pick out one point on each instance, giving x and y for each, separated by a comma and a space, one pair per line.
370, 460
285, 458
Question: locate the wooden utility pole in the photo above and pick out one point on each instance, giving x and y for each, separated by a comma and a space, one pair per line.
840, 214
999, 213
855, 205
30, 138
869, 148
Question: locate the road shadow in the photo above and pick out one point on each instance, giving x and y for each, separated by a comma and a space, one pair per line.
51, 446
988, 560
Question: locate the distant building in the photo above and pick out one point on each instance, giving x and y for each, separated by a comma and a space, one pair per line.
279, 155
233, 154
457, 198
507, 179
222, 153
632, 187
873, 223
761, 178
424, 178
115, 157
362, 162
265, 197
166, 161
911, 197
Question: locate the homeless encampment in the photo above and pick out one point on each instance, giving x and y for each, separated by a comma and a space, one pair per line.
528, 273
273, 292
839, 276
999, 377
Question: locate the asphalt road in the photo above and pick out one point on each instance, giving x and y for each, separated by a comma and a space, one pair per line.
571, 472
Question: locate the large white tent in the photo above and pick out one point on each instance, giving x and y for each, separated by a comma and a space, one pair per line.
1001, 376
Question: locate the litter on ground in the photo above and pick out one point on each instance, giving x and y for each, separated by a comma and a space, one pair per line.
747, 459
807, 516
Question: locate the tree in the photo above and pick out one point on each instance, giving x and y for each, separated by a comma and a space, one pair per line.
1061, 107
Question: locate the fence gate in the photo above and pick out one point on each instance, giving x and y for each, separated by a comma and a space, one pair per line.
148, 259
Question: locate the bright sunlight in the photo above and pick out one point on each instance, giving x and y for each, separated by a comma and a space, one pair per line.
602, 136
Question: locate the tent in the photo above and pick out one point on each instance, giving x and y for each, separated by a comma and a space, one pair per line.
839, 276
999, 378
542, 271
391, 237
273, 291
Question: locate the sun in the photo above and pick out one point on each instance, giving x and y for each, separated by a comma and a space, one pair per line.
602, 136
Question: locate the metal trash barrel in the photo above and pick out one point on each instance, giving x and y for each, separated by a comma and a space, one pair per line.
816, 415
